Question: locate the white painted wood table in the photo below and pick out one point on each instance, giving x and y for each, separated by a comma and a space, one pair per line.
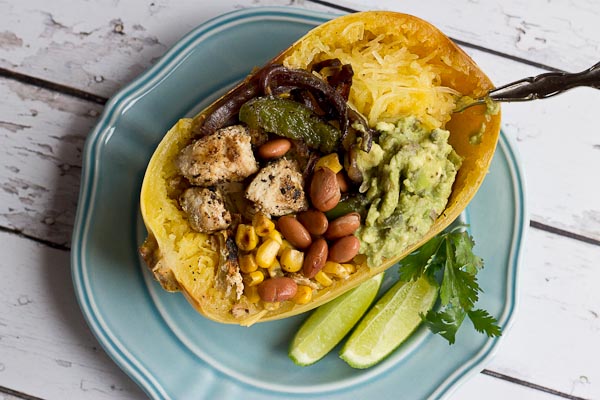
59, 62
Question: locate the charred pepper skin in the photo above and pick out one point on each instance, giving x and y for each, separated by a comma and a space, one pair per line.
275, 79
290, 119
348, 204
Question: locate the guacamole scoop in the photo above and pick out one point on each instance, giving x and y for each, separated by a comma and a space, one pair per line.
409, 174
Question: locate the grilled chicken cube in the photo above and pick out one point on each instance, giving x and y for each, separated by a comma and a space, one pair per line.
205, 210
223, 156
278, 189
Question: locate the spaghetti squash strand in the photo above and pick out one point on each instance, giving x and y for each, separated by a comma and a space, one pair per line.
389, 81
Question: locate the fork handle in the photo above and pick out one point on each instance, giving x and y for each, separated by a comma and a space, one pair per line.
546, 85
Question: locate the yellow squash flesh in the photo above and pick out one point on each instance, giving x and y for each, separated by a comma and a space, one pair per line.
187, 261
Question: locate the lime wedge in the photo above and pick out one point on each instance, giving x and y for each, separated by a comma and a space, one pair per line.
328, 324
391, 320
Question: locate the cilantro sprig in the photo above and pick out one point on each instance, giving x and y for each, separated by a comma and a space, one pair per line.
449, 258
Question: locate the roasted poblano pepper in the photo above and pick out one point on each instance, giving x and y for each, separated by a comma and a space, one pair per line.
349, 203
290, 119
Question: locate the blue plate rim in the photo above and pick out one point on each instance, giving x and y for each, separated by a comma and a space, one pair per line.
125, 98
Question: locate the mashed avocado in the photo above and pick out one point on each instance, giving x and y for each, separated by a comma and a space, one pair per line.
408, 176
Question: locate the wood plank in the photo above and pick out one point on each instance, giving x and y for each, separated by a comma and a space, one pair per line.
6, 396
113, 44
46, 348
9, 396
118, 40
554, 339
42, 134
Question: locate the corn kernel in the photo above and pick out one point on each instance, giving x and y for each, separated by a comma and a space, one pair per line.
251, 293
275, 235
266, 253
323, 278
262, 224
330, 161
254, 278
284, 245
351, 268
245, 237
248, 263
271, 306
336, 269
303, 295
275, 270
291, 260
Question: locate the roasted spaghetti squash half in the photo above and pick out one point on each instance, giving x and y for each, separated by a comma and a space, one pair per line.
321, 169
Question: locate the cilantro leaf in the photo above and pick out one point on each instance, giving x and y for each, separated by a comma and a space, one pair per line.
449, 258
458, 287
415, 264
485, 323
445, 322
463, 244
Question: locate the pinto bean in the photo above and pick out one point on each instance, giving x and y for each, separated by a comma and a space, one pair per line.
315, 258
314, 221
294, 232
324, 189
343, 226
274, 148
344, 249
277, 289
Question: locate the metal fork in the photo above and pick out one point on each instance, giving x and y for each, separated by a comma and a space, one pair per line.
539, 87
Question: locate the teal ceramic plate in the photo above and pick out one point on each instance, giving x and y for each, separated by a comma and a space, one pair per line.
158, 339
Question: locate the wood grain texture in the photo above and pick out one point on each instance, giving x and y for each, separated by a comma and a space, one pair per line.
10, 396
97, 46
115, 40
42, 136
46, 349
496, 389
554, 340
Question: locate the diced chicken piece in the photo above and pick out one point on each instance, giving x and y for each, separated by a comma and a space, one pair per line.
205, 210
223, 156
278, 188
